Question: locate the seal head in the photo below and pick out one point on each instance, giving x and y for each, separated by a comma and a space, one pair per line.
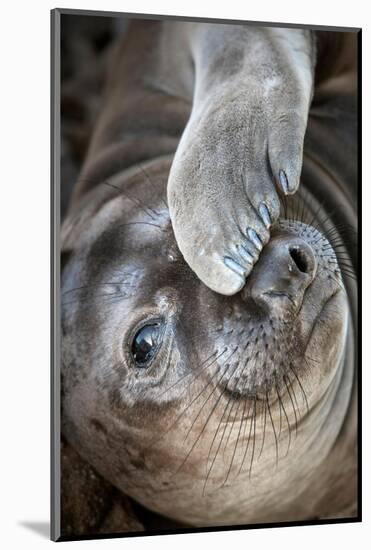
209, 409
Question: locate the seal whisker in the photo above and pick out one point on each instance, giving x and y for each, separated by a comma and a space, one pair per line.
136, 201
105, 297
239, 431
287, 419
336, 242
280, 428
349, 275
292, 403
316, 213
340, 230
75, 289
235, 416
247, 401
187, 407
152, 184
140, 223
199, 370
347, 272
311, 359
301, 387
273, 426
346, 268
249, 437
245, 425
264, 429
194, 374
209, 416
253, 440
304, 210
292, 388
222, 437
345, 265
206, 401
331, 276
232, 423
339, 259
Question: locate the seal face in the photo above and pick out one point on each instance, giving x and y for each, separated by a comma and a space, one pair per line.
198, 405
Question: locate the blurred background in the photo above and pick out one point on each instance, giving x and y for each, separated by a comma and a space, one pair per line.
85, 43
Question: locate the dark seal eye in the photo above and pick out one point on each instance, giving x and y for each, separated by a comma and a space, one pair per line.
145, 344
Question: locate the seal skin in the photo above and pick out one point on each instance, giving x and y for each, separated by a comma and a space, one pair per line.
246, 410
88, 502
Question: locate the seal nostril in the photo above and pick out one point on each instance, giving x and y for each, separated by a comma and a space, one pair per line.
299, 258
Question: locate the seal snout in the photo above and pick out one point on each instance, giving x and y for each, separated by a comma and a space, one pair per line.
285, 270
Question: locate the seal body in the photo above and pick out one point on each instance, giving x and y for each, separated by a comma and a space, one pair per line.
208, 335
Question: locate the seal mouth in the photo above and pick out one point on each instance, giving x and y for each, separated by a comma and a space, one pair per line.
281, 295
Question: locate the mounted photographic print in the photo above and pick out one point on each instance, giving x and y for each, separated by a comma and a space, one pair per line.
205, 182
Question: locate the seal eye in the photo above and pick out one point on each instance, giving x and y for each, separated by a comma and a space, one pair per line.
145, 344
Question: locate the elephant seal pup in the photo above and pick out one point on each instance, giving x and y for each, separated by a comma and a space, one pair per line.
209, 409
